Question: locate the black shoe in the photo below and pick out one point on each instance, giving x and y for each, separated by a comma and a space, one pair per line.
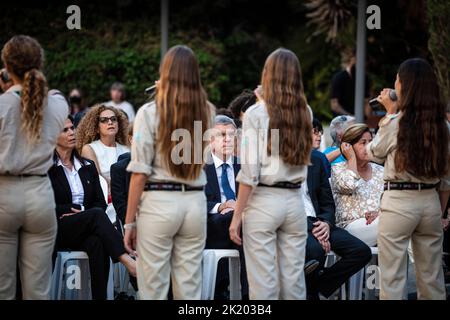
447, 277
310, 266
313, 297
222, 295
123, 296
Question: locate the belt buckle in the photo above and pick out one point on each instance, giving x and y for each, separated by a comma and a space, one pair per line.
389, 186
420, 185
183, 187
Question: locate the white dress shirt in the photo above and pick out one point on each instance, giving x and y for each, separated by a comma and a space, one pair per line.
74, 182
309, 208
230, 173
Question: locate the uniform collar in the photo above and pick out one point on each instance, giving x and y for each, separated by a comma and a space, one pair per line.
16, 87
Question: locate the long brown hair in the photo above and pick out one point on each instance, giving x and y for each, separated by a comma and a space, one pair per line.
88, 128
423, 137
285, 100
181, 100
24, 58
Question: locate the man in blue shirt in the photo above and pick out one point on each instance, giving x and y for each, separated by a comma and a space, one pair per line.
337, 128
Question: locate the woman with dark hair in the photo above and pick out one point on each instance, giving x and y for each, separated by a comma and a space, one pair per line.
30, 121
275, 152
166, 214
80, 211
240, 104
413, 144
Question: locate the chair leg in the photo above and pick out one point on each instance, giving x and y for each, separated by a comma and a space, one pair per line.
61, 282
370, 294
110, 288
124, 278
343, 292
56, 279
355, 285
209, 265
235, 278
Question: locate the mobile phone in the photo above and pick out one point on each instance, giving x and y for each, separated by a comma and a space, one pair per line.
150, 90
4, 75
76, 206
378, 107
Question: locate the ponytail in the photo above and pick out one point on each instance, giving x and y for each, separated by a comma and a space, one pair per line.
23, 56
32, 102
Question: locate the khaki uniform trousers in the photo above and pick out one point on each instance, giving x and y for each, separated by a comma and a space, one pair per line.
27, 236
171, 235
410, 215
274, 240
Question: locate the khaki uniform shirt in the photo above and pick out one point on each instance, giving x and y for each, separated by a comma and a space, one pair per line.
17, 155
257, 166
383, 149
144, 156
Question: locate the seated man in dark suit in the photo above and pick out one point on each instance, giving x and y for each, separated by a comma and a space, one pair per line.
120, 184
120, 181
221, 191
324, 236
80, 208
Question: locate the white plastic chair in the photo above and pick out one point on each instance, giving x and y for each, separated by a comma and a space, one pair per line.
210, 262
59, 282
331, 259
356, 282
59, 289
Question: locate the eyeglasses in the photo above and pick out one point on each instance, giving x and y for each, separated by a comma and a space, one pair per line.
72, 128
107, 119
317, 131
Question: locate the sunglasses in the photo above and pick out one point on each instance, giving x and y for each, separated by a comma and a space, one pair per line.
107, 119
69, 128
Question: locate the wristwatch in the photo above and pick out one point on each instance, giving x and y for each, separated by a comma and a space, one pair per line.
129, 225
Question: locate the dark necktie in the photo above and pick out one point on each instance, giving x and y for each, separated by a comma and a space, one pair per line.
229, 193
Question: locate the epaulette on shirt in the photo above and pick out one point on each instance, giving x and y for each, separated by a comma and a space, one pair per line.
388, 118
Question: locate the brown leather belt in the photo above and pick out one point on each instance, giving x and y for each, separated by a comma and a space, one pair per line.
161, 186
408, 186
23, 175
282, 185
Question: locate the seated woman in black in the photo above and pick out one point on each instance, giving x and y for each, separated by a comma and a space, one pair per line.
80, 208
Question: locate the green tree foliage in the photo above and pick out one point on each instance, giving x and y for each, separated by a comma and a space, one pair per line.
120, 39
439, 42
93, 61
